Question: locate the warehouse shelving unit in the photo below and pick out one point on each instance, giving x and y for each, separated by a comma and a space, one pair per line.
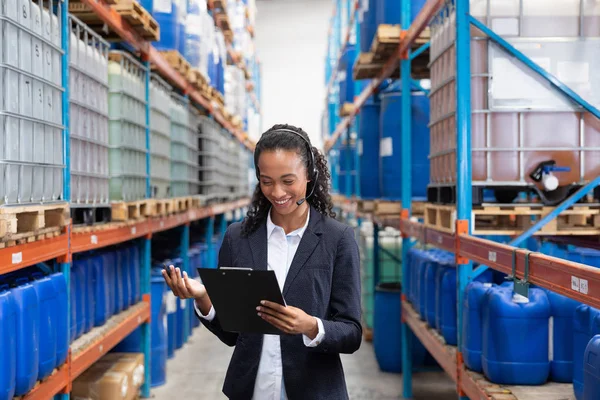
58, 251
576, 281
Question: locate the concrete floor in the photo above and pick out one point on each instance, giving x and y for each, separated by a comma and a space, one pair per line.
198, 370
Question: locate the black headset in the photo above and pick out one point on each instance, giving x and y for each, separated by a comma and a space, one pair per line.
312, 168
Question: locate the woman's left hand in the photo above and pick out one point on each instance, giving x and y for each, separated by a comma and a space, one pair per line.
288, 319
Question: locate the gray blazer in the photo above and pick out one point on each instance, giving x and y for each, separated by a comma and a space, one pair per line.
323, 281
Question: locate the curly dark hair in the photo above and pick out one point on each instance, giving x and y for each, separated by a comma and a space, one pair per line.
275, 139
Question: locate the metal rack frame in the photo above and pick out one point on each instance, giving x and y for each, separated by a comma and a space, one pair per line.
576, 281
61, 248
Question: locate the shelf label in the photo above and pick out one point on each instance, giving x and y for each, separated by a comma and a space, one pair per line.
192, 214
101, 348
440, 240
162, 224
133, 230
583, 286
94, 239
492, 256
575, 283
17, 258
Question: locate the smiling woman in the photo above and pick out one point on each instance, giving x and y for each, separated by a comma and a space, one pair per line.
289, 229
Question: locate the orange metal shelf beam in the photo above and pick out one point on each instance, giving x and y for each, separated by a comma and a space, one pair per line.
87, 241
93, 353
166, 223
53, 385
407, 38
439, 351
24, 255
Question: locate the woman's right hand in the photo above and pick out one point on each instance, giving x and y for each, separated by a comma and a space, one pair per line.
182, 286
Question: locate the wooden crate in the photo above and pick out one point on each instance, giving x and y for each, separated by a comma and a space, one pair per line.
15, 221
175, 60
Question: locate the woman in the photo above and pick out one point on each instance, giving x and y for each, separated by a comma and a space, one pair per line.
316, 262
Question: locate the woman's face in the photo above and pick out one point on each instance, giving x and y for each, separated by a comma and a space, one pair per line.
282, 179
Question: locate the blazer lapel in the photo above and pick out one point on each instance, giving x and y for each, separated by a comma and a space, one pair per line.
258, 247
310, 240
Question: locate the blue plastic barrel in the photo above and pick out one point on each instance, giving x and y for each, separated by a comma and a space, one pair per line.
181, 28
74, 310
368, 27
584, 256
387, 337
515, 337
165, 14
390, 11
121, 284
28, 340
446, 299
100, 290
562, 311
8, 340
159, 335
471, 329
126, 277
193, 37
390, 130
62, 333
134, 274
591, 370
78, 295
586, 324
48, 308
171, 320
88, 296
427, 260
368, 149
428, 296
345, 76
114, 285
179, 333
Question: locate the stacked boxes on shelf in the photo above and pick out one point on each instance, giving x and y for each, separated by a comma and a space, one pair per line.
184, 150
127, 112
88, 119
160, 137
235, 90
31, 81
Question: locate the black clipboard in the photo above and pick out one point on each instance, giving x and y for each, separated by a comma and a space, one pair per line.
236, 292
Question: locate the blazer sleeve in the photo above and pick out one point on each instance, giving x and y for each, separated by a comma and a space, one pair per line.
343, 330
225, 258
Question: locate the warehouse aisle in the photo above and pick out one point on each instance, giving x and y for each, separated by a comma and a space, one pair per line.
198, 370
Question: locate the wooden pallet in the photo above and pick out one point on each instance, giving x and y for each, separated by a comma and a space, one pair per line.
28, 237
514, 219
394, 208
90, 215
347, 109
163, 207
183, 203
368, 334
131, 210
175, 60
197, 79
130, 10
387, 39
31, 219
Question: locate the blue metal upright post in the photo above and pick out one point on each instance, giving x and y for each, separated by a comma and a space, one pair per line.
222, 227
406, 168
347, 162
185, 260
463, 145
146, 332
357, 90
148, 155
65, 267
210, 231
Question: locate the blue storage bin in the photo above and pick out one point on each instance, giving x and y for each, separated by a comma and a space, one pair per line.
74, 310
429, 301
101, 290
121, 282
591, 370
586, 324
390, 152
28, 340
62, 333
387, 338
446, 309
113, 284
562, 310
521, 357
472, 329
8, 343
